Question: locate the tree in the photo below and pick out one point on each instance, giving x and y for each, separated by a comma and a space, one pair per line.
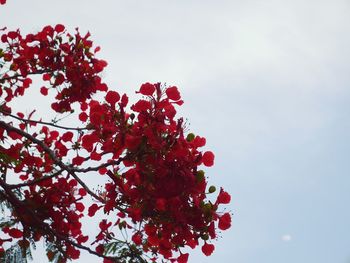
153, 197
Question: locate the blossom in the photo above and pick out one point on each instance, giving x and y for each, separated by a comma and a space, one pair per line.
67, 136
15, 233
93, 209
151, 168
78, 160
112, 97
141, 105
208, 158
225, 221
59, 28
147, 89
183, 258
80, 207
173, 93
137, 238
208, 249
223, 197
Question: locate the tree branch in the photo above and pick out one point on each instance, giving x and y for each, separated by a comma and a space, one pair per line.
35, 181
96, 168
18, 204
16, 76
42, 122
52, 155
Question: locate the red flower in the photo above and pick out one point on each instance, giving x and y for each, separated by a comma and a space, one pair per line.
100, 249
147, 89
95, 156
12, 34
67, 136
82, 192
137, 239
83, 106
173, 93
27, 82
223, 197
20, 114
54, 135
104, 225
80, 207
89, 140
15, 233
73, 252
112, 97
82, 239
211, 230
183, 258
192, 243
225, 221
83, 116
208, 159
141, 105
124, 100
199, 141
78, 160
208, 249
93, 209
59, 28
102, 170
100, 65
2, 2
46, 77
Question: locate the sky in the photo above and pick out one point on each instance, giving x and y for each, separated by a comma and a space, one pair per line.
266, 82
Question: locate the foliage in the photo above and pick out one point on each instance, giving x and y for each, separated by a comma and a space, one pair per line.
153, 200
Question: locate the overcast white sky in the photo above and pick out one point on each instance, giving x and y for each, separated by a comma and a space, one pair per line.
267, 82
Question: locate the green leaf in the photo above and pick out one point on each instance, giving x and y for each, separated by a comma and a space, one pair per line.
17, 253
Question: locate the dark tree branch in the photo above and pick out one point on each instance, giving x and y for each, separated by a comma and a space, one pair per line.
35, 181
52, 155
42, 122
16, 76
96, 168
18, 204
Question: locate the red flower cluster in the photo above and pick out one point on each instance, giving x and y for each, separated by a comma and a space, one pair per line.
155, 189
65, 61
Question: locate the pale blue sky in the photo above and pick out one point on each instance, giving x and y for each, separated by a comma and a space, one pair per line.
267, 82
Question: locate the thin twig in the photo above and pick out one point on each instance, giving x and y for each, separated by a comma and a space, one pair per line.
42, 122
35, 181
96, 168
16, 76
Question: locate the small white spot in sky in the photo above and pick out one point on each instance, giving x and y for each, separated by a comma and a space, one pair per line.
286, 238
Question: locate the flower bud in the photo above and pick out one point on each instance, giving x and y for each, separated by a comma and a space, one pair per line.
200, 175
205, 236
212, 189
190, 137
